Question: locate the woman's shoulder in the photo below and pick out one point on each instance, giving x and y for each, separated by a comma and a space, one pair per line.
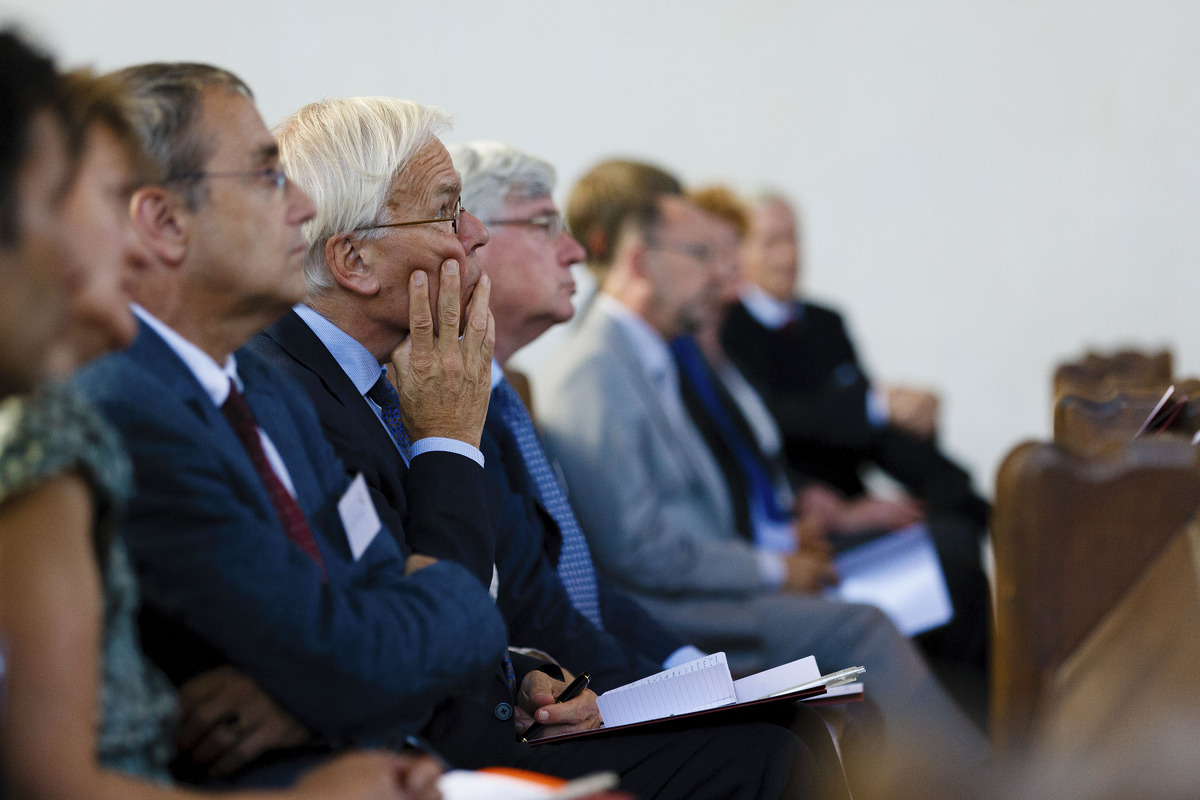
55, 430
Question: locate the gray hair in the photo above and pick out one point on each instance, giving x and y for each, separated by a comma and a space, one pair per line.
164, 108
345, 154
493, 173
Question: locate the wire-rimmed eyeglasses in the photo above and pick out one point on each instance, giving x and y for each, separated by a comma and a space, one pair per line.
551, 224
274, 176
452, 219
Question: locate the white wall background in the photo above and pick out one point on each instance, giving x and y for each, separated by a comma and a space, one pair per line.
989, 186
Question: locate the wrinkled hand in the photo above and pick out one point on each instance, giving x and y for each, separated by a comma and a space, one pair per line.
227, 721
808, 573
372, 776
445, 381
536, 702
913, 410
871, 513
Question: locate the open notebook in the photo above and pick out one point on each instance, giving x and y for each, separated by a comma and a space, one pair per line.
706, 686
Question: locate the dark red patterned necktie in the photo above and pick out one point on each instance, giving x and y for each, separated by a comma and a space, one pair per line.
290, 514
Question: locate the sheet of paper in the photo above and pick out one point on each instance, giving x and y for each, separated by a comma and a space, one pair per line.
768, 682
513, 784
694, 686
900, 573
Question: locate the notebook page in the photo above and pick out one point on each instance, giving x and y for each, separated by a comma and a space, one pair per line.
901, 574
694, 686
768, 682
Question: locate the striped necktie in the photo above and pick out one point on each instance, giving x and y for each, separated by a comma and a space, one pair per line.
575, 568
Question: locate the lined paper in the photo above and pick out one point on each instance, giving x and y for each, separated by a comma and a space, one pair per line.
695, 686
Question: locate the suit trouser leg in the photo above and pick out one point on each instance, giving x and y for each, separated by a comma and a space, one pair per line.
721, 762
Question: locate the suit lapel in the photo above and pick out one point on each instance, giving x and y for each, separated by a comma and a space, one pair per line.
293, 335
152, 353
684, 444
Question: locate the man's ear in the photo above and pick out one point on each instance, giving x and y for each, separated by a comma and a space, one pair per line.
162, 221
595, 245
632, 250
349, 266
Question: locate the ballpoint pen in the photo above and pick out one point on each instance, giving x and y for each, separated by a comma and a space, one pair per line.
829, 681
570, 693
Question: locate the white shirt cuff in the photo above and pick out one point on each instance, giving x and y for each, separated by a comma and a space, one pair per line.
772, 568
683, 655
441, 444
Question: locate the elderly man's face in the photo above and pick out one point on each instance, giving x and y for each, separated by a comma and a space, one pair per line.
247, 241
683, 265
771, 253
33, 272
429, 188
530, 271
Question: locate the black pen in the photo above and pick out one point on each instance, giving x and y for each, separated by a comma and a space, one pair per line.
568, 694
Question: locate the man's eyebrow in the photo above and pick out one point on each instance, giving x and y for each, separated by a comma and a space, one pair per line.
266, 153
449, 189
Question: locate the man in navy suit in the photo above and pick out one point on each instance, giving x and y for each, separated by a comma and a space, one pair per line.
257, 551
255, 546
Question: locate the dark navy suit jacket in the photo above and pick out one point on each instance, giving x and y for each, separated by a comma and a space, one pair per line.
533, 599
810, 378
472, 729
358, 658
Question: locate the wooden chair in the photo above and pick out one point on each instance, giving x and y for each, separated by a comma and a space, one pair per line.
1077, 539
1086, 425
1099, 376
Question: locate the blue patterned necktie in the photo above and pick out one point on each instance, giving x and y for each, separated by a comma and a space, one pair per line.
575, 568
385, 396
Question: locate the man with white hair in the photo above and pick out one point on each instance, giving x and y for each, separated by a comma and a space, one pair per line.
389, 214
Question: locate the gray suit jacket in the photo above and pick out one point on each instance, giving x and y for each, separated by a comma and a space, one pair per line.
649, 495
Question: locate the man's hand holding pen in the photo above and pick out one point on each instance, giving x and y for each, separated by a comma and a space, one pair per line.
546, 707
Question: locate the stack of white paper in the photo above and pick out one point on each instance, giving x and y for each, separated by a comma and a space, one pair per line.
900, 574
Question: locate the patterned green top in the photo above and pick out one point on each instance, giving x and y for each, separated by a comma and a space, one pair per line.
56, 431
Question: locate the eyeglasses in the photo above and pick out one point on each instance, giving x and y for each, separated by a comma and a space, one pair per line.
551, 224
701, 252
452, 219
272, 176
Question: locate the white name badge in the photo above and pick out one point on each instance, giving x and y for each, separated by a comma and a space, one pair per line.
358, 516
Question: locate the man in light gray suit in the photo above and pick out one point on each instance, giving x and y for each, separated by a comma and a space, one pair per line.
648, 492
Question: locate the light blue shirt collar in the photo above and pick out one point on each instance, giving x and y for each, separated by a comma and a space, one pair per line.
356, 361
364, 370
497, 374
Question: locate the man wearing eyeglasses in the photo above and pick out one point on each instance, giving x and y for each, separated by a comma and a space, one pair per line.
528, 258
254, 548
388, 218
648, 492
